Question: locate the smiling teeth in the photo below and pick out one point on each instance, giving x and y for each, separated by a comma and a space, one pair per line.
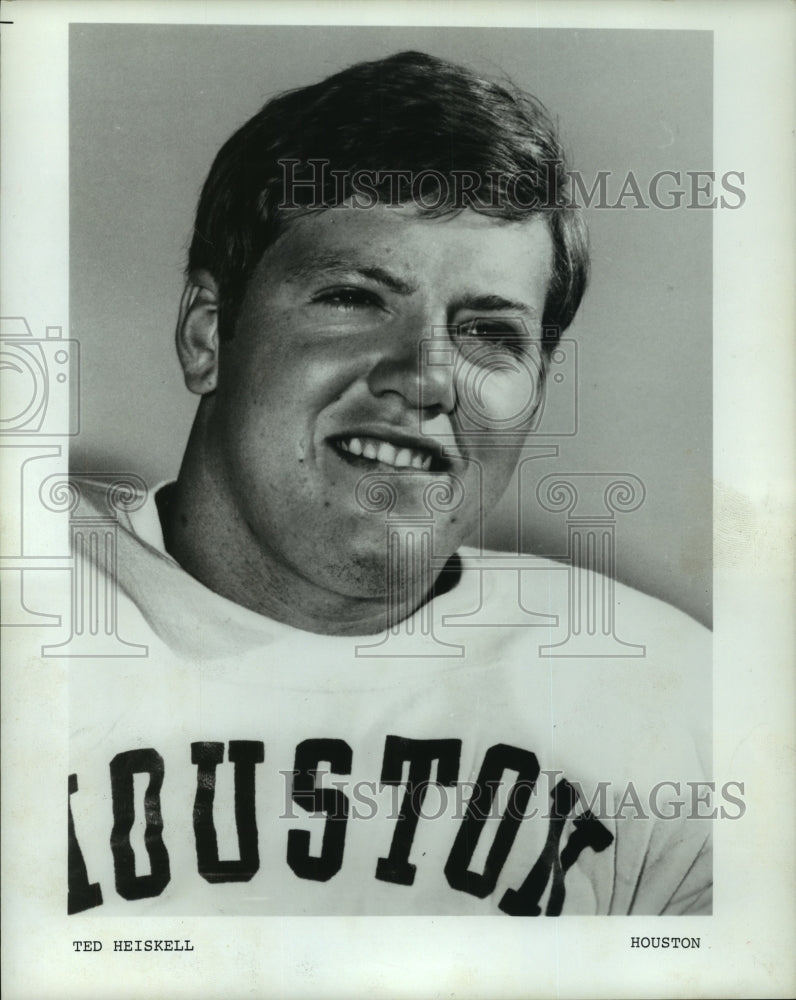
387, 454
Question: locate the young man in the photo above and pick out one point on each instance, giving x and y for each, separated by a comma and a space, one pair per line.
381, 266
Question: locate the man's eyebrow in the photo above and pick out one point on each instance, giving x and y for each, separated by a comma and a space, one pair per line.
313, 264
493, 303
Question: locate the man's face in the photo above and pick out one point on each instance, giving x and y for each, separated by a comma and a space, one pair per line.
377, 342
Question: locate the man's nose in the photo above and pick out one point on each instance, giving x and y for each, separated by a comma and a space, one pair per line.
417, 363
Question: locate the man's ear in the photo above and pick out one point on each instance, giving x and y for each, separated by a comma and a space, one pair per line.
197, 333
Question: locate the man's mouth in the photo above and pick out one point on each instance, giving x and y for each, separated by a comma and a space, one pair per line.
372, 449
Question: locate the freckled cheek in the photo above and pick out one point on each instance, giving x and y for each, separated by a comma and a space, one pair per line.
280, 415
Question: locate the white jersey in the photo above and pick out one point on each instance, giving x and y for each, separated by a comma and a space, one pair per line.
457, 764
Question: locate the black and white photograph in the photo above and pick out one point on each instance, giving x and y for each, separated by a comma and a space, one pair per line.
376, 532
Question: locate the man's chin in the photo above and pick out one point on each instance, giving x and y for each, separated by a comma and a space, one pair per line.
383, 573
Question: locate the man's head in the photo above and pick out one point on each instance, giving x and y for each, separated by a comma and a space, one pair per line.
365, 327
411, 129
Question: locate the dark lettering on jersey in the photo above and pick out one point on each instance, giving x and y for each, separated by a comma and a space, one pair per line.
332, 801
589, 832
244, 754
420, 755
497, 760
396, 868
82, 894
123, 767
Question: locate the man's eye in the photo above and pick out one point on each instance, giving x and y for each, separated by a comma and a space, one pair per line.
491, 331
347, 299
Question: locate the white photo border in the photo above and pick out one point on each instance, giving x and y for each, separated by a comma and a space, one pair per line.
747, 945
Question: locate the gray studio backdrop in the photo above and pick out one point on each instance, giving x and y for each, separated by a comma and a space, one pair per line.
150, 106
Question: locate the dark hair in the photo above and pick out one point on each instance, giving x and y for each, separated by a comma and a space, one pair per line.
390, 122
